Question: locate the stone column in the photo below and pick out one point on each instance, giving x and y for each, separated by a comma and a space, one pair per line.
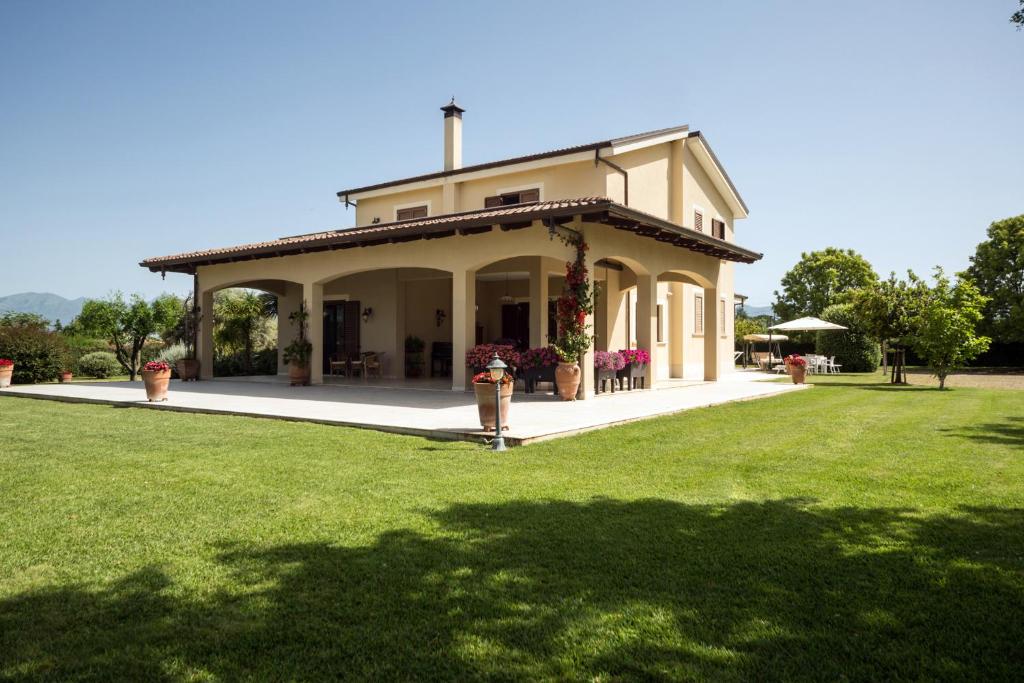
463, 325
397, 368
313, 295
287, 303
538, 302
675, 329
205, 337
647, 322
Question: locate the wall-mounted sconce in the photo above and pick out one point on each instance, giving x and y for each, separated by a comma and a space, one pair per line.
439, 316
367, 312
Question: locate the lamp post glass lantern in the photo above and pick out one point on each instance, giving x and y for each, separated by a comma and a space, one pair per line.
497, 369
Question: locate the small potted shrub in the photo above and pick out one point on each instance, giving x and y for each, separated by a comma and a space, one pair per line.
634, 369
298, 353
796, 366
570, 347
156, 375
606, 368
414, 356
6, 371
483, 387
64, 376
538, 365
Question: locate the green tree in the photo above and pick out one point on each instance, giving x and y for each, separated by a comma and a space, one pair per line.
126, 324
945, 335
743, 326
32, 321
886, 310
242, 318
820, 279
1018, 17
853, 348
997, 268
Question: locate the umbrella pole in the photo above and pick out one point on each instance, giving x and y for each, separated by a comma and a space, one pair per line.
769, 350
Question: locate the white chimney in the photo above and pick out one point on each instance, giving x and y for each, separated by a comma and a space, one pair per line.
452, 135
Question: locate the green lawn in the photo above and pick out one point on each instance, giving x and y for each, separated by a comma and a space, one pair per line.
851, 532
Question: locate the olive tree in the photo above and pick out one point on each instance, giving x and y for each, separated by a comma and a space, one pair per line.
127, 324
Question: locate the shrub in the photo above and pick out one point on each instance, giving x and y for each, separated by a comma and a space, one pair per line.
99, 364
172, 354
79, 346
38, 354
263, 362
853, 349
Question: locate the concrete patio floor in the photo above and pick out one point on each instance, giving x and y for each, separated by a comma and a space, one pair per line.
410, 409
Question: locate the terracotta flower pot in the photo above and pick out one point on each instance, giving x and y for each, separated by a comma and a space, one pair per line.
188, 369
64, 377
156, 382
485, 403
298, 375
567, 377
5, 375
797, 373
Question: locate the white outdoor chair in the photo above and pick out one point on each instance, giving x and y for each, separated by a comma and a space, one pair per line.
832, 367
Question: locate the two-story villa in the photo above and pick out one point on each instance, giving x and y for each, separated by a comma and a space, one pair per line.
466, 255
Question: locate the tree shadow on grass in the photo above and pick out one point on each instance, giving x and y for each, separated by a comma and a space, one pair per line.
1008, 433
558, 590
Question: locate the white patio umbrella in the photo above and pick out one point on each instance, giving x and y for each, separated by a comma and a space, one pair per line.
807, 324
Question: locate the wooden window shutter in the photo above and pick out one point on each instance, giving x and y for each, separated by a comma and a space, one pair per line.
492, 202
698, 314
529, 196
411, 212
698, 221
718, 229
351, 328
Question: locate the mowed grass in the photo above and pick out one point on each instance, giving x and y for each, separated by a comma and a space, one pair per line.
854, 531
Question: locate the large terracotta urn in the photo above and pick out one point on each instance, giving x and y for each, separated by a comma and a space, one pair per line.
485, 403
188, 369
567, 378
298, 374
797, 372
6, 371
156, 382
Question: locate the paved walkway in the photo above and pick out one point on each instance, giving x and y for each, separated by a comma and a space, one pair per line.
425, 412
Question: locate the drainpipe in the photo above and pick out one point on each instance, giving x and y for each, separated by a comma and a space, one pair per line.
619, 169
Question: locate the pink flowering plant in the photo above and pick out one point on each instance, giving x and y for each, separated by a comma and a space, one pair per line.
609, 360
794, 359
541, 357
635, 357
156, 366
482, 354
6, 362
485, 378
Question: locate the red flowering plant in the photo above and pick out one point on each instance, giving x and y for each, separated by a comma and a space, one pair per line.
794, 359
635, 357
541, 357
156, 366
6, 362
609, 360
480, 355
574, 305
485, 378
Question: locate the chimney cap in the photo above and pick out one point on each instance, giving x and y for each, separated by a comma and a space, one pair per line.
452, 109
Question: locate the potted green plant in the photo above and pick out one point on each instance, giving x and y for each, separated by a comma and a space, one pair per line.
6, 371
483, 387
156, 376
188, 367
414, 356
298, 353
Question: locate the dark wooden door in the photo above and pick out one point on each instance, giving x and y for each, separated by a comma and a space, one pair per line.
515, 323
341, 330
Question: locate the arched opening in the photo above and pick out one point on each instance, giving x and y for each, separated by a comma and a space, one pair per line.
391, 324
245, 326
514, 302
692, 316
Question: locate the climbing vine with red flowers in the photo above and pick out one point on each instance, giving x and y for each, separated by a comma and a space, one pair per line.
575, 303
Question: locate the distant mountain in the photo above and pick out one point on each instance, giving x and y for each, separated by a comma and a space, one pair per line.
50, 306
754, 311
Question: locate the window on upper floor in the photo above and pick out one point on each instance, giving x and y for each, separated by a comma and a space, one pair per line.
510, 198
698, 221
411, 212
718, 228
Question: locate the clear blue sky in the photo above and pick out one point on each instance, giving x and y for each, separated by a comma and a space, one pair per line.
138, 129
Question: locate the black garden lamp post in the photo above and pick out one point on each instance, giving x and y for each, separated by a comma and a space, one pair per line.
497, 369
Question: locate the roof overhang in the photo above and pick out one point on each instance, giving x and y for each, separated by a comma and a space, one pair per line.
551, 213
